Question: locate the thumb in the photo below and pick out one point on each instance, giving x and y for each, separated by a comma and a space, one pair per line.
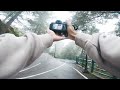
69, 22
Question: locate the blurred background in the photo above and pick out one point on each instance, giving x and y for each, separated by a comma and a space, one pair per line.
20, 22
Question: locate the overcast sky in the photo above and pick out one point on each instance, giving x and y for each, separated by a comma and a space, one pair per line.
63, 15
108, 27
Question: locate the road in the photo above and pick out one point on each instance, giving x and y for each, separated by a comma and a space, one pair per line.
47, 67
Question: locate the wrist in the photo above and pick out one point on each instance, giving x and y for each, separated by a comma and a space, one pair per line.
73, 35
52, 36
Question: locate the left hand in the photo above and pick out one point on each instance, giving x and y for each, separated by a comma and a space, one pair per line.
55, 36
70, 29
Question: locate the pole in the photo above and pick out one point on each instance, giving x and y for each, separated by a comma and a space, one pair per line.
92, 67
85, 70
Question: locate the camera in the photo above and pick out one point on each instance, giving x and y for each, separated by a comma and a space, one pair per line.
60, 28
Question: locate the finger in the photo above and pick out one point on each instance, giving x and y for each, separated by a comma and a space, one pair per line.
69, 22
48, 31
60, 37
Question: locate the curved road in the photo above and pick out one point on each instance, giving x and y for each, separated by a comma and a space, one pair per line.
47, 67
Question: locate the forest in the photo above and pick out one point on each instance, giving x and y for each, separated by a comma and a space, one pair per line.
20, 22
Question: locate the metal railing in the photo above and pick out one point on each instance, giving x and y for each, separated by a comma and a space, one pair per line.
90, 66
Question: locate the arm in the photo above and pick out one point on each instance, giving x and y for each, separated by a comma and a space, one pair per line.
19, 52
103, 48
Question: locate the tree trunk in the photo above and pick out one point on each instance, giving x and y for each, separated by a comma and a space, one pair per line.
9, 15
13, 18
5, 29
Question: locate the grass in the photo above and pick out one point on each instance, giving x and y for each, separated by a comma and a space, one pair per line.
101, 73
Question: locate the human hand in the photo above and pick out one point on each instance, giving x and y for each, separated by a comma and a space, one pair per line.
55, 36
70, 29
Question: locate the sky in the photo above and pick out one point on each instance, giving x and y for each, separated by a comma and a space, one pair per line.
63, 15
108, 27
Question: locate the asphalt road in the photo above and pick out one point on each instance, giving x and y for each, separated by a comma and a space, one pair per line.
47, 67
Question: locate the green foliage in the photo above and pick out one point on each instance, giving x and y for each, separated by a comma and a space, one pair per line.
16, 32
39, 24
69, 51
117, 31
86, 19
9, 15
20, 33
16, 14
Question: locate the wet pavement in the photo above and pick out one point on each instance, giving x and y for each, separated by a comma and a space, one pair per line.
47, 67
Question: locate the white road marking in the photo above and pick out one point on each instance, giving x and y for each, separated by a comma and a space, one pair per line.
30, 67
42, 72
79, 73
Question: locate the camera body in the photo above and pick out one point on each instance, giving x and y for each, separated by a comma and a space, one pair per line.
59, 27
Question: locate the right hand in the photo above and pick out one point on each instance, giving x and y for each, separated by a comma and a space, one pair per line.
55, 36
70, 29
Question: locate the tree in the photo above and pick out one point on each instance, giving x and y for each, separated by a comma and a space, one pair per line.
39, 24
87, 19
9, 15
69, 51
5, 27
13, 18
117, 31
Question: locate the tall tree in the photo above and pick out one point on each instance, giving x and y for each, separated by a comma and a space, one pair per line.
13, 18
87, 19
39, 24
5, 27
9, 15
117, 31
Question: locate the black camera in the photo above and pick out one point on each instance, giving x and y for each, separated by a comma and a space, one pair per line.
60, 28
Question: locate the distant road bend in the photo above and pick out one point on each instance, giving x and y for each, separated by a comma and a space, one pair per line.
47, 67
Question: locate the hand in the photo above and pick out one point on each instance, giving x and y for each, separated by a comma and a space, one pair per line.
70, 29
55, 36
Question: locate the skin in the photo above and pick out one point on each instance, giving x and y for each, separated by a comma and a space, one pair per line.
71, 33
12, 67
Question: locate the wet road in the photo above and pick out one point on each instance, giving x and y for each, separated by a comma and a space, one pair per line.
47, 67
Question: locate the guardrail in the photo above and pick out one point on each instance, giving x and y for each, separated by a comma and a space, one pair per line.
90, 66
